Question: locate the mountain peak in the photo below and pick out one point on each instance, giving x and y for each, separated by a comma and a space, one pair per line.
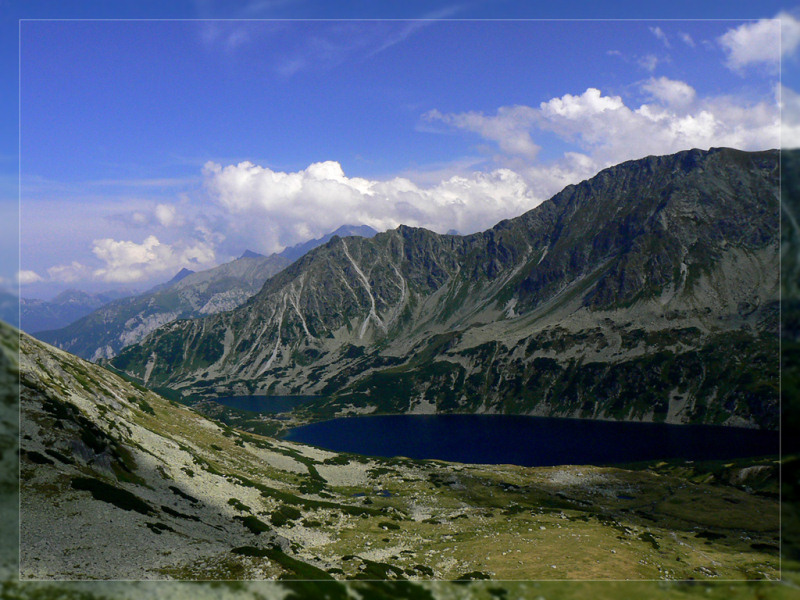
251, 254
184, 272
70, 295
295, 252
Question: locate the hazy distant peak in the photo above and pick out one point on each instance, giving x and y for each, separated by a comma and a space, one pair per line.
360, 230
180, 275
251, 254
298, 250
70, 295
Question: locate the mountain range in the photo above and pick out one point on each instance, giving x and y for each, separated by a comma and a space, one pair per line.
648, 292
103, 332
111, 326
119, 482
63, 309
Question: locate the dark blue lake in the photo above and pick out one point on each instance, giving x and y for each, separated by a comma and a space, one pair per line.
531, 441
264, 404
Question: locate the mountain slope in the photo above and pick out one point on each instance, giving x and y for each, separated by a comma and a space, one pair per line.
118, 483
102, 333
647, 292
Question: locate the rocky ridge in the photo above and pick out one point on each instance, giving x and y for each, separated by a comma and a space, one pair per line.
648, 292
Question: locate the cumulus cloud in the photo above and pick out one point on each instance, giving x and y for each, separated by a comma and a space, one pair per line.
292, 207
166, 214
790, 34
26, 277
608, 131
762, 43
146, 215
508, 128
790, 131
75, 271
127, 261
283, 208
669, 91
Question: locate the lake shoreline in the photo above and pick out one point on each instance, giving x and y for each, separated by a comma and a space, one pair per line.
521, 439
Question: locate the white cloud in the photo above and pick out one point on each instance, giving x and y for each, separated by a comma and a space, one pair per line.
166, 214
606, 131
761, 43
25, 277
571, 107
287, 208
659, 33
648, 62
127, 261
790, 34
328, 45
687, 39
790, 130
669, 91
74, 271
508, 128
548, 179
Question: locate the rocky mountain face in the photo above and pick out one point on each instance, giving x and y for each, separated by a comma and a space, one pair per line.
66, 307
105, 331
648, 292
790, 298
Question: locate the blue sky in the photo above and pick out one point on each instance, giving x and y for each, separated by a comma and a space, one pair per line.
152, 145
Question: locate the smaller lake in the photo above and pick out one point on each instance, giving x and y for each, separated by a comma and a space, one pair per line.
264, 404
531, 441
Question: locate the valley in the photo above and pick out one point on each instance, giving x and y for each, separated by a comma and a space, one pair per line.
194, 499
647, 293
461, 304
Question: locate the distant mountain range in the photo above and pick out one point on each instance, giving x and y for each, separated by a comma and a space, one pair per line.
105, 331
93, 326
66, 307
299, 250
648, 292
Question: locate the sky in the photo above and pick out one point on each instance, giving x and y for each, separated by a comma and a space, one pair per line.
146, 146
